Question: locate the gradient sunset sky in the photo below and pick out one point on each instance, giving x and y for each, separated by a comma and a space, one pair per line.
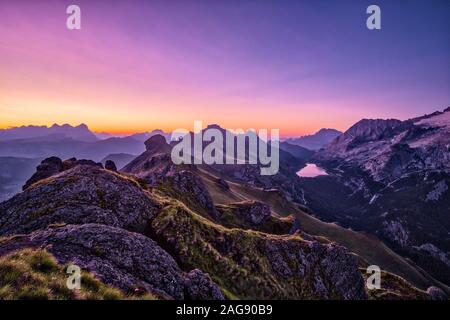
293, 65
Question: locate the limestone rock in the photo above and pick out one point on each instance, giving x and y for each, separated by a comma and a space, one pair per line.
83, 194
199, 286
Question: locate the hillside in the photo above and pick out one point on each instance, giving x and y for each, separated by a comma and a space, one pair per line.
189, 234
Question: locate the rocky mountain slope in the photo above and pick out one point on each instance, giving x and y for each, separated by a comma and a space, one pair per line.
391, 178
79, 133
158, 230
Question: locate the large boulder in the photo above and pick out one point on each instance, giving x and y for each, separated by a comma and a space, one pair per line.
110, 165
253, 212
54, 165
189, 188
119, 258
199, 286
83, 194
46, 169
157, 143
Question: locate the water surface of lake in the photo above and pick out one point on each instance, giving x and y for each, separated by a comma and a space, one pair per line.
311, 171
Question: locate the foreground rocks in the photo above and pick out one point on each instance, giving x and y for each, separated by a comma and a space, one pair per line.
110, 165
83, 194
199, 286
125, 260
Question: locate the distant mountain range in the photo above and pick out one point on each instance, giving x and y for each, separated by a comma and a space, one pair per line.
317, 140
79, 133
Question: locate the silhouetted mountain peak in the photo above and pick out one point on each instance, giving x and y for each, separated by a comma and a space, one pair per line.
80, 132
156, 142
317, 140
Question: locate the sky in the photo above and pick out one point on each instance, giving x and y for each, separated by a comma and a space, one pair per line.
297, 66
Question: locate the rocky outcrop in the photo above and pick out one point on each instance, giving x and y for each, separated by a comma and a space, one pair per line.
317, 140
436, 294
387, 149
54, 165
189, 188
255, 265
83, 194
110, 165
47, 168
73, 162
154, 161
119, 258
199, 286
157, 144
331, 269
253, 212
372, 129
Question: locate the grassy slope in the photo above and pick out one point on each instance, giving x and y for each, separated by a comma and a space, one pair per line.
34, 274
395, 288
235, 259
368, 247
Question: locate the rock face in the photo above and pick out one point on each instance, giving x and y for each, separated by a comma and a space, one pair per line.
54, 165
156, 147
187, 183
155, 163
155, 166
157, 143
254, 212
47, 168
199, 286
83, 194
331, 268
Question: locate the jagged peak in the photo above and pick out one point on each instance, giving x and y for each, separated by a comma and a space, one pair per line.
156, 142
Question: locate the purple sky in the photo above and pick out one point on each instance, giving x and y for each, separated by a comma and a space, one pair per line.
293, 65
